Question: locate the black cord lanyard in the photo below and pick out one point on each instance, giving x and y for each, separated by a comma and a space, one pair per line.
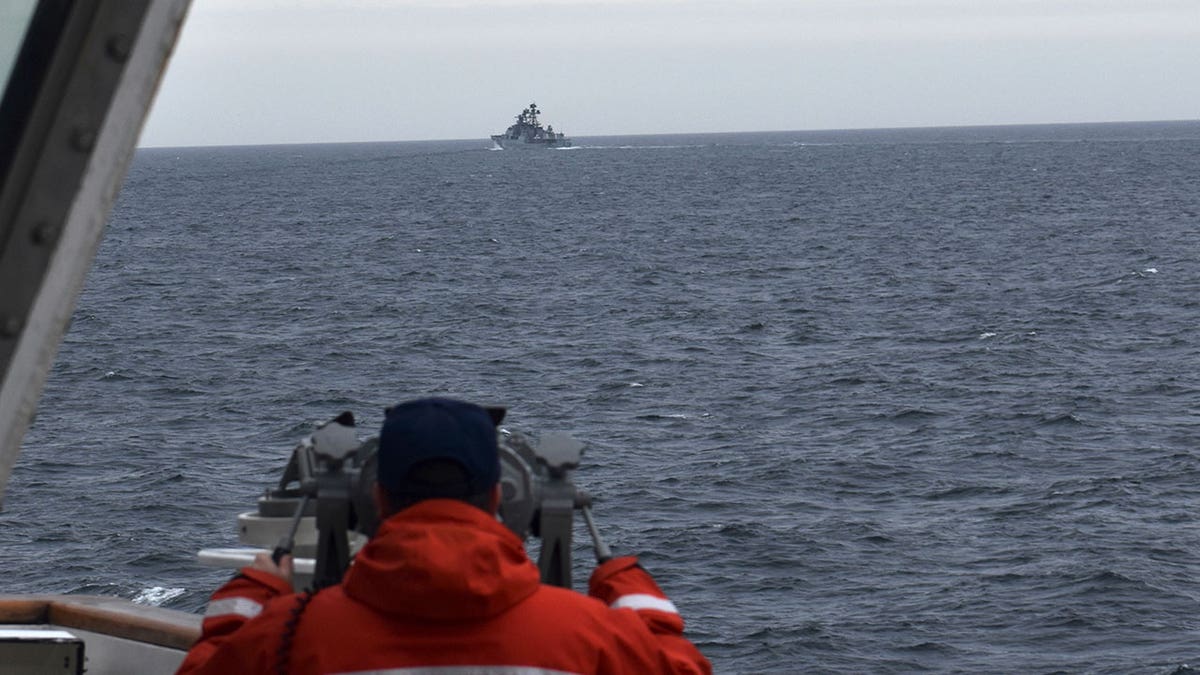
284, 655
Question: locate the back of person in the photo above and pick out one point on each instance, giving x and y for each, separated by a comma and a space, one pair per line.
443, 587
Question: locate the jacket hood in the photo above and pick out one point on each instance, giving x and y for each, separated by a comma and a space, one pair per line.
442, 559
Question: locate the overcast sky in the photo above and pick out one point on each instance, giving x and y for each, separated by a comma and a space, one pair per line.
296, 71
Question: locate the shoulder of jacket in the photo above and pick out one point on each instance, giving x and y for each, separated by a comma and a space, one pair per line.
566, 601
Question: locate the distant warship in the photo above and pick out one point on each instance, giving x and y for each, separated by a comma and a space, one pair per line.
528, 132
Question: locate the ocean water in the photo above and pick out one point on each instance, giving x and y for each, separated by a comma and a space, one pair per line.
877, 401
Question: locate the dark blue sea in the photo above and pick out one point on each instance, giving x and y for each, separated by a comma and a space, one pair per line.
867, 401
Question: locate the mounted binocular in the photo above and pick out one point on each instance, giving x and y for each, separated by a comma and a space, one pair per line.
322, 507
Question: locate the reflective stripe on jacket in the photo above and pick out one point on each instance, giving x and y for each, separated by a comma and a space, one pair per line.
445, 589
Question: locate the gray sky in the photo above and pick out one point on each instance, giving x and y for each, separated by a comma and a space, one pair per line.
297, 71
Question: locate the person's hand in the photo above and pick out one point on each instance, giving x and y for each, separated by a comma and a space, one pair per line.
263, 563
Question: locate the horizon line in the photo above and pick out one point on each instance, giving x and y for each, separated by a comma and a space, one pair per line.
694, 133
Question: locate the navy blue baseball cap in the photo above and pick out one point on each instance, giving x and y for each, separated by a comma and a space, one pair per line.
437, 428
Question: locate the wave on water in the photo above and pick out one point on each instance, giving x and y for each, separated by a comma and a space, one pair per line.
157, 595
632, 147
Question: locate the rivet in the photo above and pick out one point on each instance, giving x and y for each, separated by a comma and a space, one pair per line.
10, 327
83, 140
44, 233
118, 47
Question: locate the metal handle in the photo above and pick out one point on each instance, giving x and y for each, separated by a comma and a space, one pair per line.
287, 541
603, 553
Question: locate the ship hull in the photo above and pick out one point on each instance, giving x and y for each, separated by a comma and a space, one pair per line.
507, 143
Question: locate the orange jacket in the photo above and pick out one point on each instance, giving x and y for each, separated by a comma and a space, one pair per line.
444, 584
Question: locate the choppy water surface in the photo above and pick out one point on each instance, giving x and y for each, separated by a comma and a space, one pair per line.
863, 401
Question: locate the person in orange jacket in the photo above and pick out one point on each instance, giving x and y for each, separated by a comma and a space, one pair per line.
442, 587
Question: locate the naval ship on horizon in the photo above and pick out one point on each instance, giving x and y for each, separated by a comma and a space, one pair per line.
528, 132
